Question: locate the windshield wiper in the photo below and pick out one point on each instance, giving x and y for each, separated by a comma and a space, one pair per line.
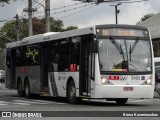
122, 52
134, 45
131, 49
130, 57
116, 45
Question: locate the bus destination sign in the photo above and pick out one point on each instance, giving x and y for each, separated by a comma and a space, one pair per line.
122, 32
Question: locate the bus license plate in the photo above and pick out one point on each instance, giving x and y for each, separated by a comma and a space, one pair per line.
128, 89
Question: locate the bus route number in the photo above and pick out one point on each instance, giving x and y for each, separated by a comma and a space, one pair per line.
135, 78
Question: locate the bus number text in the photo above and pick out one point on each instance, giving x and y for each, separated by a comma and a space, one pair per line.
135, 78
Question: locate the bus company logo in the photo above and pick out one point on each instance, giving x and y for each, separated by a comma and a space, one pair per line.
6, 114
143, 78
124, 78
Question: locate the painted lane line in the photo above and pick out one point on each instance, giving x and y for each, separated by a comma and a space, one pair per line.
23, 101
3, 104
48, 102
21, 104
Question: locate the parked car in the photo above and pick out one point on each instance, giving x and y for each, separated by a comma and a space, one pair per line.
2, 76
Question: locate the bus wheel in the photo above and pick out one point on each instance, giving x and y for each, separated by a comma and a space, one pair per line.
71, 93
19, 88
121, 101
27, 89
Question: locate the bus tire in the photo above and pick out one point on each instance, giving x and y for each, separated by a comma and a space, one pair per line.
19, 88
121, 101
27, 89
71, 93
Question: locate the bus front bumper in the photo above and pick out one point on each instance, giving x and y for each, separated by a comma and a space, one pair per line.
123, 91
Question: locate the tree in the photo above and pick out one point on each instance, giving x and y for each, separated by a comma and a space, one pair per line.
9, 32
71, 28
145, 17
9, 28
56, 25
4, 1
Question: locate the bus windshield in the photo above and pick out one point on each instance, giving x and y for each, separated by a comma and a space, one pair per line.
126, 55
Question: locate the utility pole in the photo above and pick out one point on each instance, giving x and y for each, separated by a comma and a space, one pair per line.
30, 10
116, 11
17, 28
30, 26
47, 15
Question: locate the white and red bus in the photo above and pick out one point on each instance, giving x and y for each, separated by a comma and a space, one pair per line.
112, 62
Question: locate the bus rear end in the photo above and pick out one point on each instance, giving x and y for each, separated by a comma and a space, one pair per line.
124, 66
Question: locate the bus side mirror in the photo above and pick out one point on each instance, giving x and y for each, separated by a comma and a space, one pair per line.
95, 46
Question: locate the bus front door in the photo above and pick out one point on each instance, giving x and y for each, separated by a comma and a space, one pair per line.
85, 67
44, 70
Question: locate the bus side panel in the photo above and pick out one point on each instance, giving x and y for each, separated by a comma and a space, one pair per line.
32, 73
58, 83
7, 79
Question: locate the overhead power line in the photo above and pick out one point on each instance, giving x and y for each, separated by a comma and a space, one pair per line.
39, 5
66, 6
75, 8
76, 12
62, 7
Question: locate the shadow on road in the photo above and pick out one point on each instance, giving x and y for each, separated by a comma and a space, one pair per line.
85, 102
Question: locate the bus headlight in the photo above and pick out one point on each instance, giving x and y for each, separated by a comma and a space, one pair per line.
103, 80
149, 81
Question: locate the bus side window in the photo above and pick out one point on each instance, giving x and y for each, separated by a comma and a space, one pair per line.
19, 57
54, 57
75, 51
32, 55
64, 55
36, 55
29, 55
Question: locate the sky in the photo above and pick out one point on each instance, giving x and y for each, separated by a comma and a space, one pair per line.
80, 14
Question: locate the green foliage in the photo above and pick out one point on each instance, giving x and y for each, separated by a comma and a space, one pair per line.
9, 29
145, 17
71, 28
4, 1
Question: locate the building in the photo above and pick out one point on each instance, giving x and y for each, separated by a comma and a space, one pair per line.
153, 24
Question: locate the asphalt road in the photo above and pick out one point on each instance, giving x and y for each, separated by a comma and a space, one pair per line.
60, 109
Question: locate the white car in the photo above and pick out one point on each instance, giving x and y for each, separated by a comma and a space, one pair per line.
2, 75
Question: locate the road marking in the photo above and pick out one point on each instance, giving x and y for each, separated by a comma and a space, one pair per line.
144, 100
21, 103
3, 102
48, 101
25, 102
38, 102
